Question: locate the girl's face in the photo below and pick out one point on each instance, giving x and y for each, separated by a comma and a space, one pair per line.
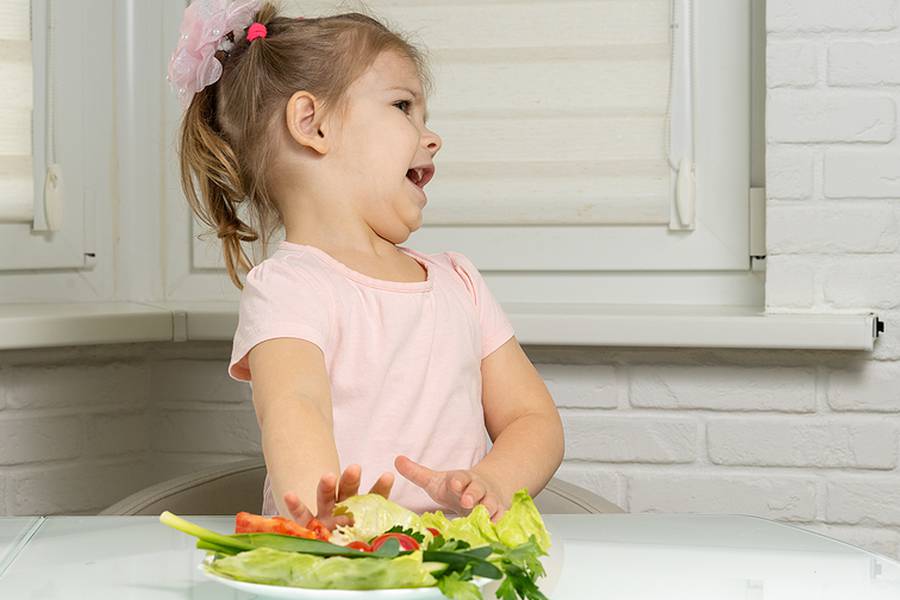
381, 138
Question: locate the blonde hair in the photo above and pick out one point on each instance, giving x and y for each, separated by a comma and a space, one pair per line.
228, 133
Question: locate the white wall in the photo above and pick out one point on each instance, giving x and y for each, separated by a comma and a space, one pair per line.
809, 438
81, 427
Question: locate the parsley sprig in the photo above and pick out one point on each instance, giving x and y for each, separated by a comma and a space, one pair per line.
419, 537
518, 567
522, 566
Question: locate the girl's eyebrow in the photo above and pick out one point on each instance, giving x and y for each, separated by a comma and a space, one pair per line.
415, 95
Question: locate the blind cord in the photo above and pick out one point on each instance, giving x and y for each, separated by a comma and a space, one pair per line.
689, 64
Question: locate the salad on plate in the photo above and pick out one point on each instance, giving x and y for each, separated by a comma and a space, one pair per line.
386, 547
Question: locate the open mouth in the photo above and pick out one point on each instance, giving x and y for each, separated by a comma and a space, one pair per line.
420, 175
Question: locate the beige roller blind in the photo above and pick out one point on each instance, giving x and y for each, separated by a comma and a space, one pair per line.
551, 112
16, 105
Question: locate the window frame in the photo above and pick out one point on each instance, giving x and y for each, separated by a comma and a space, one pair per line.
710, 265
64, 74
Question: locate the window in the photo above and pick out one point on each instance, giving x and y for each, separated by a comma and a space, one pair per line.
40, 228
555, 174
554, 170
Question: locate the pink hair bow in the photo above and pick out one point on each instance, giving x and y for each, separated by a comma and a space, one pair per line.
193, 65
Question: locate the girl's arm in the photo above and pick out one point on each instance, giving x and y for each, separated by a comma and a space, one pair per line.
523, 423
292, 399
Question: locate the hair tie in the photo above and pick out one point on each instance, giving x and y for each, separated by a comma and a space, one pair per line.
257, 30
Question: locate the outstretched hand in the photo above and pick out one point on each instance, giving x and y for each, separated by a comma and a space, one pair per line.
459, 491
330, 492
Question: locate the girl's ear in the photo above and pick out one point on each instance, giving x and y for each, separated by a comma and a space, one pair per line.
305, 121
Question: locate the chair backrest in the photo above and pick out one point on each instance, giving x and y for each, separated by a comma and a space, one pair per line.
233, 487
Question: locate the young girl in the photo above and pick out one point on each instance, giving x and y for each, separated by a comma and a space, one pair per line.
361, 352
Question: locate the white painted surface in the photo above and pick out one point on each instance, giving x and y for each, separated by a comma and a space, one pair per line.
41, 325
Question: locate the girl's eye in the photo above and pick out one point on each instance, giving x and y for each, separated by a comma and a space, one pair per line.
406, 102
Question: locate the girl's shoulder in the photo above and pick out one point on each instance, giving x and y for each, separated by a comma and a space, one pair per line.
288, 269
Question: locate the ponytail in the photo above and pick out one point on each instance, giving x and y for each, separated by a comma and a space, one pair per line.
208, 157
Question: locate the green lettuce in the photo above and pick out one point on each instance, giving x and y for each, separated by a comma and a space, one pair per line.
435, 519
475, 528
276, 567
372, 514
521, 521
515, 527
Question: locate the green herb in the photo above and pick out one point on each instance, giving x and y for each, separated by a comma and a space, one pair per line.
408, 531
455, 587
519, 567
224, 542
460, 561
522, 566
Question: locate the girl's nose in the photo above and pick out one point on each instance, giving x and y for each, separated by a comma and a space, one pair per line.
433, 141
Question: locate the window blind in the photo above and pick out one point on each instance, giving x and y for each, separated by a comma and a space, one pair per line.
16, 106
550, 112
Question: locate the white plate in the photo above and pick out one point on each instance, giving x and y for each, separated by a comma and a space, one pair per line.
296, 593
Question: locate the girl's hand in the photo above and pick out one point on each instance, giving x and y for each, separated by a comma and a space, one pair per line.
330, 493
459, 490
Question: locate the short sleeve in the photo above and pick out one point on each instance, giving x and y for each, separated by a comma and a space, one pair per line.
280, 299
496, 328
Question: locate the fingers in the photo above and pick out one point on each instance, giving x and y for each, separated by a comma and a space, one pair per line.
383, 485
458, 482
296, 509
416, 473
331, 491
493, 506
472, 494
340, 520
476, 493
325, 495
349, 485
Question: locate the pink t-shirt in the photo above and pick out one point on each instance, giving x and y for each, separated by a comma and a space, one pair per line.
403, 358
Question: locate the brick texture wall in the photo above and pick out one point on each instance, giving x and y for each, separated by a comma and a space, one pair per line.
833, 239
83, 427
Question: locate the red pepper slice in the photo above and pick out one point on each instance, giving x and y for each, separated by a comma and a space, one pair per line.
360, 546
245, 522
406, 542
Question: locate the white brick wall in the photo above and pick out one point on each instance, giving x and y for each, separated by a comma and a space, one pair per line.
809, 438
83, 427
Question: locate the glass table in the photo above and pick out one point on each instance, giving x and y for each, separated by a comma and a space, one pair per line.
639, 556
14, 534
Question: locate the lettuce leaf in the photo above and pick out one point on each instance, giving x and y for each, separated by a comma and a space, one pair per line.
521, 521
515, 527
372, 514
475, 528
435, 519
276, 567
453, 586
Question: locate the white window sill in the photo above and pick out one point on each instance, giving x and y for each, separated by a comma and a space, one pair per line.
64, 324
